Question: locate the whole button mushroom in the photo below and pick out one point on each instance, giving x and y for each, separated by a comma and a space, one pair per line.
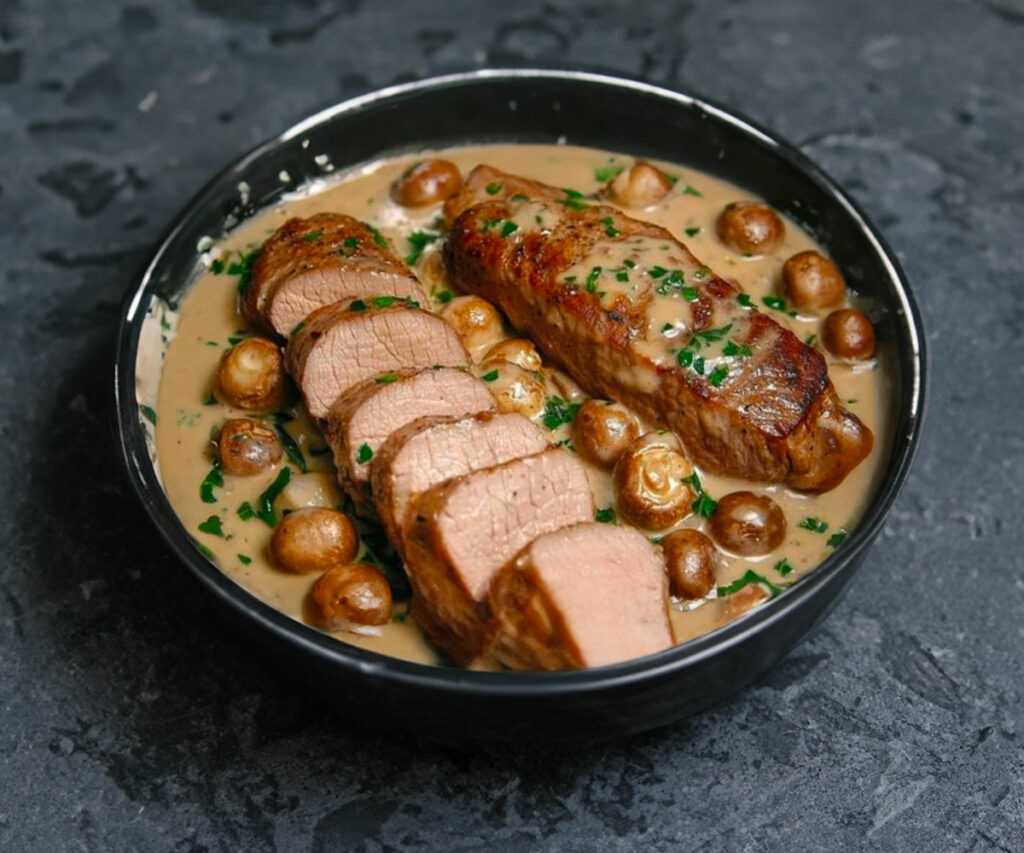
477, 322
847, 333
812, 282
517, 351
352, 594
425, 183
313, 540
748, 524
514, 389
750, 227
651, 482
641, 185
602, 430
247, 446
690, 557
251, 376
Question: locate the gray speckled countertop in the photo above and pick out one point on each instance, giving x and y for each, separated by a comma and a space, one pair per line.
132, 719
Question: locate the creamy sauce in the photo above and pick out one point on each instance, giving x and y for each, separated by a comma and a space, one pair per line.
188, 417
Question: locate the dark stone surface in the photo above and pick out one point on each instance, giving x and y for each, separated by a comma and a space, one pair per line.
133, 720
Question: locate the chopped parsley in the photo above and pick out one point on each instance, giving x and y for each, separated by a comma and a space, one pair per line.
718, 375
509, 228
210, 400
490, 376
595, 274
704, 505
212, 526
445, 296
609, 226
622, 276
558, 411
657, 272
365, 454
265, 502
606, 515
603, 174
573, 200
298, 328
245, 511
777, 303
519, 197
149, 413
692, 232
384, 301
378, 238
212, 480
744, 300
783, 567
688, 190
217, 266
244, 559
357, 305
206, 552
291, 448
629, 262
243, 269
709, 336
386, 379
836, 539
811, 340
735, 350
312, 236
815, 525
750, 577
493, 189
419, 240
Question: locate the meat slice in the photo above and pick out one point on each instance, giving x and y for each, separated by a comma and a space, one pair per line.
430, 451
309, 263
468, 528
631, 314
360, 420
344, 344
587, 595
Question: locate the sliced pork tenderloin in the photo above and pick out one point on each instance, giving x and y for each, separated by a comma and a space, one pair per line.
587, 595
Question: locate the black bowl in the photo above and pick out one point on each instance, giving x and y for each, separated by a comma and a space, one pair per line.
537, 106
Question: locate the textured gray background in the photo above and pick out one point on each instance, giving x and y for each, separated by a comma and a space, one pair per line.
132, 719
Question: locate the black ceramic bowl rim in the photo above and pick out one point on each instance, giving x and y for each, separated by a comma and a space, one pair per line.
309, 641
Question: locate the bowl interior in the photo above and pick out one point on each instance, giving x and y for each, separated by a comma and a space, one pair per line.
526, 106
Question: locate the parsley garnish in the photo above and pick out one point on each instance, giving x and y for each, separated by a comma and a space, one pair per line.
419, 240
558, 411
734, 350
493, 189
265, 502
705, 505
595, 274
243, 269
692, 191
445, 296
212, 480
519, 197
783, 567
606, 515
357, 305
384, 301
718, 375
572, 200
244, 559
509, 228
692, 232
378, 238
291, 448
709, 336
836, 539
386, 379
609, 226
212, 526
777, 303
490, 376
245, 511
312, 236
149, 413
365, 454
810, 340
657, 272
217, 266
816, 525
603, 174
750, 577
744, 300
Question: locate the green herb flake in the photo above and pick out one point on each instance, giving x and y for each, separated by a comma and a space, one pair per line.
745, 300
783, 567
244, 559
595, 274
609, 226
692, 232
419, 240
573, 200
509, 228
709, 336
519, 197
357, 305
622, 276
291, 447
734, 350
212, 526
692, 191
384, 301
718, 375
217, 266
815, 525
445, 296
690, 294
750, 577
386, 379
245, 511
811, 340
776, 303
365, 454
493, 189
378, 238
558, 411
629, 262
606, 515
657, 272
265, 502
704, 505
206, 552
836, 539
243, 269
312, 236
215, 479
490, 376
210, 400
149, 413
603, 174
298, 328
351, 243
